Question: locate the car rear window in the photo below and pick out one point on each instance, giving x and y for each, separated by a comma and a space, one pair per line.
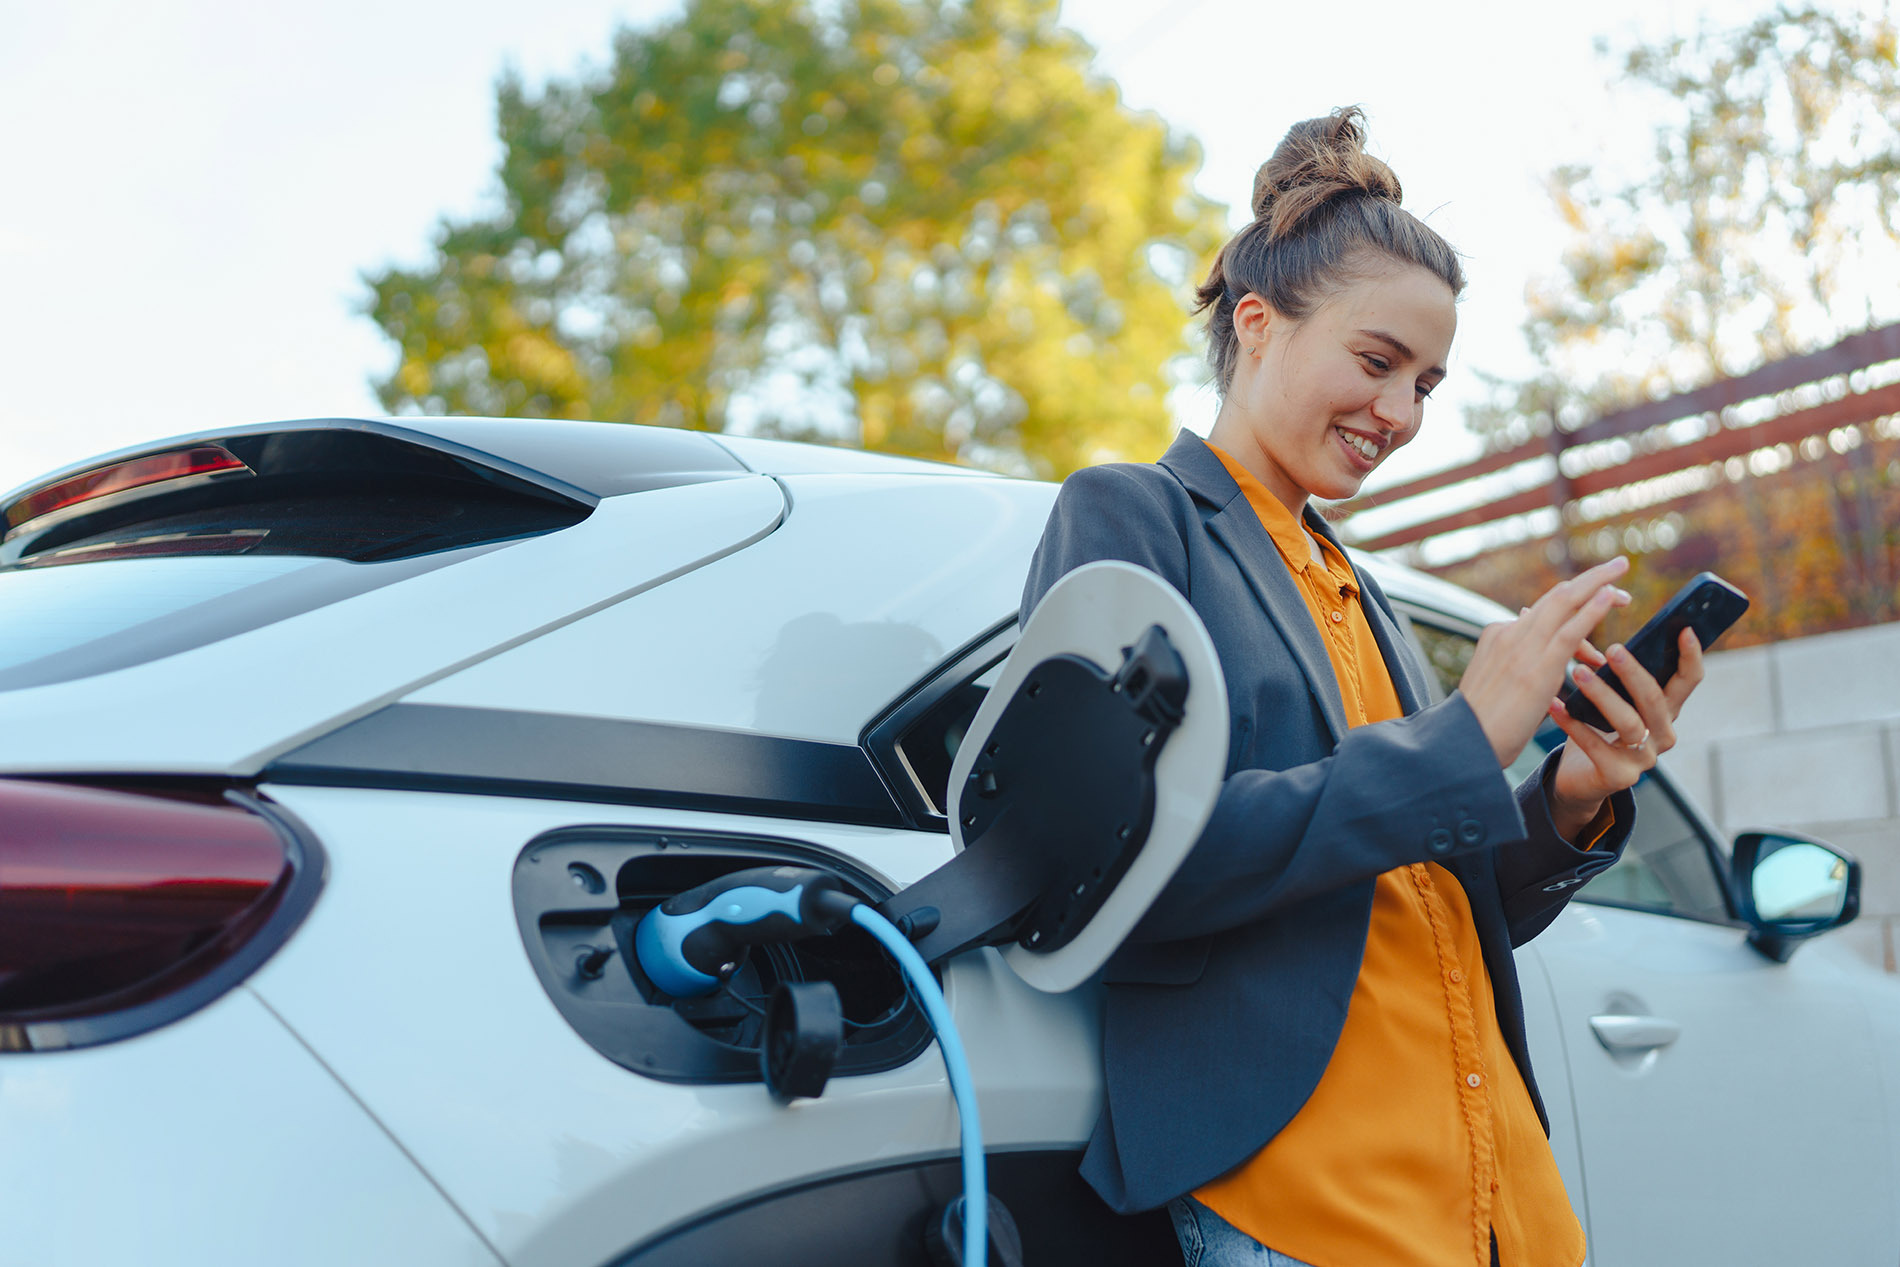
46, 611
60, 623
165, 571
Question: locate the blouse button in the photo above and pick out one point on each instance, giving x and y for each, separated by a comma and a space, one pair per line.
1456, 976
1338, 616
1473, 1080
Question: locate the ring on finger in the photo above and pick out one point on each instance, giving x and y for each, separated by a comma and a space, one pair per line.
1639, 742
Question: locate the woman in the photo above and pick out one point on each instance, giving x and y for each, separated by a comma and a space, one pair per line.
1313, 1043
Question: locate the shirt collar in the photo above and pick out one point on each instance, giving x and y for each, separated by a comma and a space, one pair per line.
1289, 537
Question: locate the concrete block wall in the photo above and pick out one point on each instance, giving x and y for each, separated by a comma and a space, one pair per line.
1805, 735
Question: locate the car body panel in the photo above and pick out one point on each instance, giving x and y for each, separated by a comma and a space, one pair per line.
558, 1155
395, 1084
806, 633
1655, 1150
1543, 1038
1771, 1094
216, 1139
226, 707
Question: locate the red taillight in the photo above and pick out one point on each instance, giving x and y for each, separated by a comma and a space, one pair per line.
153, 468
112, 900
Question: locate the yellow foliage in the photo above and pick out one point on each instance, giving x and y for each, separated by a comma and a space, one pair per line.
944, 205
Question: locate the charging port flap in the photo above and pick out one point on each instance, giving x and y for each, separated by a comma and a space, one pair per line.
1083, 780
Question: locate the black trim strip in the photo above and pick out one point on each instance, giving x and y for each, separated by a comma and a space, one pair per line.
505, 752
881, 737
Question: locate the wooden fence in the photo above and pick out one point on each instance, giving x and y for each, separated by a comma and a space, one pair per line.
1587, 461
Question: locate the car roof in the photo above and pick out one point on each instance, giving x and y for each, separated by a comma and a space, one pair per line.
793, 457
1422, 589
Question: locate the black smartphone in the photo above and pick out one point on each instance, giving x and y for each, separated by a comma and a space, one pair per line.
1707, 604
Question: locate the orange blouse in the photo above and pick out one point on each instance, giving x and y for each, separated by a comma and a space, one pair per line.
1420, 1141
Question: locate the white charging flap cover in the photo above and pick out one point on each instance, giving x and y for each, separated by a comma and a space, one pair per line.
1094, 612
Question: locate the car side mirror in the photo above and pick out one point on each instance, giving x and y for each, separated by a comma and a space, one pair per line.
1792, 888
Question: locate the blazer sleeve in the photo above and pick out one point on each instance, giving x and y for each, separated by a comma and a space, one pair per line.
1537, 878
1115, 511
1420, 788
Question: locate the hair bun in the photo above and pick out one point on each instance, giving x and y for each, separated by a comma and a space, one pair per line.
1318, 160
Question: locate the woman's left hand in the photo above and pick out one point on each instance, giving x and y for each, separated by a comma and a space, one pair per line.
1596, 764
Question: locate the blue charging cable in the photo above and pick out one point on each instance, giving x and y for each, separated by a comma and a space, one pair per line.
689, 945
976, 1197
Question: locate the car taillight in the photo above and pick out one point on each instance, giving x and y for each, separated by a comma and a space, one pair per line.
121, 910
119, 477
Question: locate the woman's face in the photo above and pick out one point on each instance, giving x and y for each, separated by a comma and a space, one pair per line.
1325, 399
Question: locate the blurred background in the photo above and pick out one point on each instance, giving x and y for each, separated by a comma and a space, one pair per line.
199, 190
970, 229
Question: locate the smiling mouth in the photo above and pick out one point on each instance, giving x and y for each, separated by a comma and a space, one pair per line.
1367, 449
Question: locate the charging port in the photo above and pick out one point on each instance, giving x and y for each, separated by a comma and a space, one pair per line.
580, 892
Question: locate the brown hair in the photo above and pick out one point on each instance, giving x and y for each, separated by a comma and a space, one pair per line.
1321, 204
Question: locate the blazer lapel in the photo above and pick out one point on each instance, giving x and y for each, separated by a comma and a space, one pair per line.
1235, 525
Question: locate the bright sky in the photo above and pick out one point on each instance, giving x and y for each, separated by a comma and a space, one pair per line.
194, 187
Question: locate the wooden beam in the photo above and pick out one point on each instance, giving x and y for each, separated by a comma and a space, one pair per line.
1501, 460
1863, 407
1855, 352
1519, 504
1733, 443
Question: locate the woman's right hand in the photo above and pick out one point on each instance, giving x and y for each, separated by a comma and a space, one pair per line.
1519, 664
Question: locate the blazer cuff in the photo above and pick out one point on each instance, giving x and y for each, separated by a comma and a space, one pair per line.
1560, 865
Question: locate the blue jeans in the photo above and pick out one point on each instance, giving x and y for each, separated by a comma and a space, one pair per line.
1208, 1240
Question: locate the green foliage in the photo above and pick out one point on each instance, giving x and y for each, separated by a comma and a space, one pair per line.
1764, 223
926, 212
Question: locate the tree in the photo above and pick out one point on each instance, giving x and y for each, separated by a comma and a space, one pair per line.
1766, 221
919, 225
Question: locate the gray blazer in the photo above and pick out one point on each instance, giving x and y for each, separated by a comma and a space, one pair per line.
1224, 1004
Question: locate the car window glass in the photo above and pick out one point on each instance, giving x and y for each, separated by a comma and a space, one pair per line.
929, 745
143, 580
1447, 654
48, 610
72, 621
1665, 867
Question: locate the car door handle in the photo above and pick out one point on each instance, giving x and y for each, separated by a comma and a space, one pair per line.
1620, 1033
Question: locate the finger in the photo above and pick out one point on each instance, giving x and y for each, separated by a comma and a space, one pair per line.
1617, 766
1586, 652
1560, 605
1622, 716
1658, 712
1565, 597
1577, 625
1602, 574
1689, 671
1576, 591
1604, 755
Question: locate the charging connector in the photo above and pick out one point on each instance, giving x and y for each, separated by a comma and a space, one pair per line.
693, 941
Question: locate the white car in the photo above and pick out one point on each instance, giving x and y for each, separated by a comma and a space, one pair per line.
342, 757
